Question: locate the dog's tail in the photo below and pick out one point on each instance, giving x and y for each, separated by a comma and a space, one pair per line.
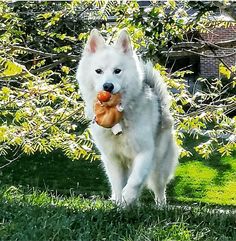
153, 79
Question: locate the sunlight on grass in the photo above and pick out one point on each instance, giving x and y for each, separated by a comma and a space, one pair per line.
192, 180
222, 194
30, 214
207, 181
43, 198
196, 170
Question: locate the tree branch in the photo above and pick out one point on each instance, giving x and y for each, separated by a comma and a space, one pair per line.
211, 56
40, 53
190, 48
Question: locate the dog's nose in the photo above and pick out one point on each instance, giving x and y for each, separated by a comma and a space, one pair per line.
108, 87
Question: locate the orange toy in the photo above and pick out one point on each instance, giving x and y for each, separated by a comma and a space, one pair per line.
108, 112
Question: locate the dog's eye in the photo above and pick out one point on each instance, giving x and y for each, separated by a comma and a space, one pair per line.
99, 71
117, 71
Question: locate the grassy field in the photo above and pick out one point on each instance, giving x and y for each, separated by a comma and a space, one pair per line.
52, 198
33, 215
209, 181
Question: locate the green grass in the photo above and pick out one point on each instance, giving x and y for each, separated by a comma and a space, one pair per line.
210, 181
48, 197
58, 173
33, 215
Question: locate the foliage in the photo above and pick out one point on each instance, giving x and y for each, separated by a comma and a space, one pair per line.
156, 27
41, 108
41, 44
204, 113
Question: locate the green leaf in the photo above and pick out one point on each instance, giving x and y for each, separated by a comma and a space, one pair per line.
11, 69
65, 69
6, 90
224, 71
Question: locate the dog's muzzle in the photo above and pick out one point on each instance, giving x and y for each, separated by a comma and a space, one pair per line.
108, 87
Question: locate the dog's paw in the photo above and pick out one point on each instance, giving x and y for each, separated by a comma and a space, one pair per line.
129, 195
116, 198
161, 202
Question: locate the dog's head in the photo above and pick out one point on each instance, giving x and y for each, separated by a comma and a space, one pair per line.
111, 68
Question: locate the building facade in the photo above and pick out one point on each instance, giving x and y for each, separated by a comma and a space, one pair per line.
209, 66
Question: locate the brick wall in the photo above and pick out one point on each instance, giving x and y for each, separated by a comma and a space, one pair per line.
209, 66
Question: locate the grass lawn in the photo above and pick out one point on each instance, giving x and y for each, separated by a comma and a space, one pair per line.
209, 181
33, 215
53, 198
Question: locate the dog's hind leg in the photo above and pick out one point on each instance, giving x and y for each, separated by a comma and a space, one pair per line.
163, 172
157, 184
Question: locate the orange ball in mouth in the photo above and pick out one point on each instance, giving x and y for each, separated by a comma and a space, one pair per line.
104, 96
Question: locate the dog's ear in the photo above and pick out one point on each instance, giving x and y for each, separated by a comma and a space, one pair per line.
123, 42
95, 41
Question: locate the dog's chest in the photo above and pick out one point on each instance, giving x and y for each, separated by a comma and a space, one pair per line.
121, 146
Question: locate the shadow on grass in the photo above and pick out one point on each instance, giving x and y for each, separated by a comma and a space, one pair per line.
56, 172
223, 166
36, 216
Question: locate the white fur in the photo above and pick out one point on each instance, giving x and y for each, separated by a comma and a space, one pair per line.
145, 153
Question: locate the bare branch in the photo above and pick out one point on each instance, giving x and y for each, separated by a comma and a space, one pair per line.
40, 53
201, 44
211, 56
9, 161
190, 48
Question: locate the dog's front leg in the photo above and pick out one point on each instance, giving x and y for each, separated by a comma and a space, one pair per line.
141, 168
117, 176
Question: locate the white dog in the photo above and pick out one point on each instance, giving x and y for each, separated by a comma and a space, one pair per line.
146, 152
